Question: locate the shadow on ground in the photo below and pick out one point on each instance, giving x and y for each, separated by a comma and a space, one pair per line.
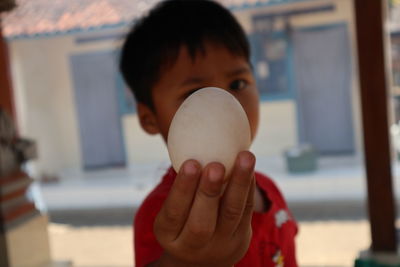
94, 217
302, 211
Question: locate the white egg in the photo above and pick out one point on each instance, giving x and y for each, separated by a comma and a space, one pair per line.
209, 126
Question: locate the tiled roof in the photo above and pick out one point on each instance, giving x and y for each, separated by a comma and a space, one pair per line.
46, 17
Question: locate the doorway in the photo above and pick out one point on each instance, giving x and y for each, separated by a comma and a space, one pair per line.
322, 63
96, 97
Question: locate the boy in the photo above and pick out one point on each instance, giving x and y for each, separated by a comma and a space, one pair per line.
189, 219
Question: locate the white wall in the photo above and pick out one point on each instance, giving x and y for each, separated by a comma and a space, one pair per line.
46, 105
46, 109
45, 98
141, 147
277, 129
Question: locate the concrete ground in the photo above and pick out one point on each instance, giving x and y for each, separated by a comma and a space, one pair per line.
337, 179
319, 243
91, 212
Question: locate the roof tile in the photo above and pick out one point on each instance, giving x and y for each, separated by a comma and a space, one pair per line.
38, 17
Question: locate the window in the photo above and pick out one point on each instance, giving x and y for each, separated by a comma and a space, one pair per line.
271, 59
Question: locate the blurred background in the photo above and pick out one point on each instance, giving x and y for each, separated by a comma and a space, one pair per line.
95, 165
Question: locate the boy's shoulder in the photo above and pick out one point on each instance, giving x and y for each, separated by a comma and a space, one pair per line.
271, 189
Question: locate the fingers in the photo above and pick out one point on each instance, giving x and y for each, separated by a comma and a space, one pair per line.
245, 223
201, 223
193, 212
173, 214
236, 196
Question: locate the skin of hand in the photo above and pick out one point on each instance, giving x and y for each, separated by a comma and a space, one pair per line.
203, 221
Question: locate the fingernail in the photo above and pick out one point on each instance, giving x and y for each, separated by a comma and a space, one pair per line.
190, 168
245, 161
215, 174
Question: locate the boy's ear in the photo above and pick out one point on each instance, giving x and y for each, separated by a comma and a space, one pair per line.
147, 119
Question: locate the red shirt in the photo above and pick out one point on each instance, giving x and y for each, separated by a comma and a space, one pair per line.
272, 243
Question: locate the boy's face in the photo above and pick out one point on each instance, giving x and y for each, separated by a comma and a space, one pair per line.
217, 67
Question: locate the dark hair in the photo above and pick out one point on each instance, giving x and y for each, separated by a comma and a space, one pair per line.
154, 42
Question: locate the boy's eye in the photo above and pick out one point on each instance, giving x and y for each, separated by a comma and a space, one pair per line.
238, 85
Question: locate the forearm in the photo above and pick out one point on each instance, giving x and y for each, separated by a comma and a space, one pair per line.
168, 261
199, 224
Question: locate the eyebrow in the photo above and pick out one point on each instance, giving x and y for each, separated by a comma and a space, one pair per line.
192, 80
238, 71
232, 73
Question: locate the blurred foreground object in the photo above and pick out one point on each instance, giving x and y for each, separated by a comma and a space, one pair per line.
14, 151
24, 239
370, 21
23, 228
368, 259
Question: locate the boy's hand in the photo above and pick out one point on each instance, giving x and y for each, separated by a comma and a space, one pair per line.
200, 226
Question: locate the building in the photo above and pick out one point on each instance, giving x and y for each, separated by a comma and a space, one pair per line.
64, 56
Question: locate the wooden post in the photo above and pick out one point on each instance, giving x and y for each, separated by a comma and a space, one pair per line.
6, 102
373, 84
6, 95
